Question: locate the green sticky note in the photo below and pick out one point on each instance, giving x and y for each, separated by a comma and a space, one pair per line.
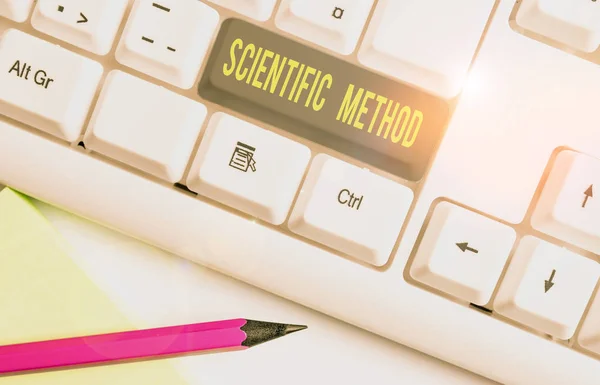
45, 295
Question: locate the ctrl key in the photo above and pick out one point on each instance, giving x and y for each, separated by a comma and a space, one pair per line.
350, 209
45, 86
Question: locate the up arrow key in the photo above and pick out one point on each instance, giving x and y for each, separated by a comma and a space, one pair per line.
589, 193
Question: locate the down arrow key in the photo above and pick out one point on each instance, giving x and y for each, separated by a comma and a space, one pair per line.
548, 283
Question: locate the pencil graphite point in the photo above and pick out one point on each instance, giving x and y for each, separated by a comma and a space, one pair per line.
289, 329
258, 332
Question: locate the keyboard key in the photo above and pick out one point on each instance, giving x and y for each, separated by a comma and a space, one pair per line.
323, 99
575, 23
17, 10
428, 43
567, 208
350, 209
257, 9
45, 86
589, 335
88, 24
333, 24
547, 287
154, 42
462, 253
246, 167
145, 126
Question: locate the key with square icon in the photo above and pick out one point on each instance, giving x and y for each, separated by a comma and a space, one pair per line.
333, 24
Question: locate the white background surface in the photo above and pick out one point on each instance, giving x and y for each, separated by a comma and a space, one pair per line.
154, 288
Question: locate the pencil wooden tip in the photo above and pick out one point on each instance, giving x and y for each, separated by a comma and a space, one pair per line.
258, 332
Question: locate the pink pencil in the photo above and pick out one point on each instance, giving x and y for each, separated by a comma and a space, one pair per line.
150, 343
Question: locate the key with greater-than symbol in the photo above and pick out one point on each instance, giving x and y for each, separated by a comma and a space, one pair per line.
88, 24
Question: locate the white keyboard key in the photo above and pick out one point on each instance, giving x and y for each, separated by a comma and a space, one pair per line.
567, 208
45, 86
88, 24
589, 335
350, 209
145, 126
260, 10
462, 253
333, 24
248, 168
575, 23
17, 10
428, 43
168, 39
547, 287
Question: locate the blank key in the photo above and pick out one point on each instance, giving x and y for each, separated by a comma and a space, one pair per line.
17, 10
145, 126
589, 337
428, 43
575, 23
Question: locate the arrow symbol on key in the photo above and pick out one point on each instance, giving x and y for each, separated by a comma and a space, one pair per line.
83, 19
589, 193
548, 283
464, 246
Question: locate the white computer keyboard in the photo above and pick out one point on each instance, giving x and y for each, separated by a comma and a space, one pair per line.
303, 146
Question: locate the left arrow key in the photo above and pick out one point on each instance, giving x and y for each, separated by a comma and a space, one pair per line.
469, 269
464, 246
